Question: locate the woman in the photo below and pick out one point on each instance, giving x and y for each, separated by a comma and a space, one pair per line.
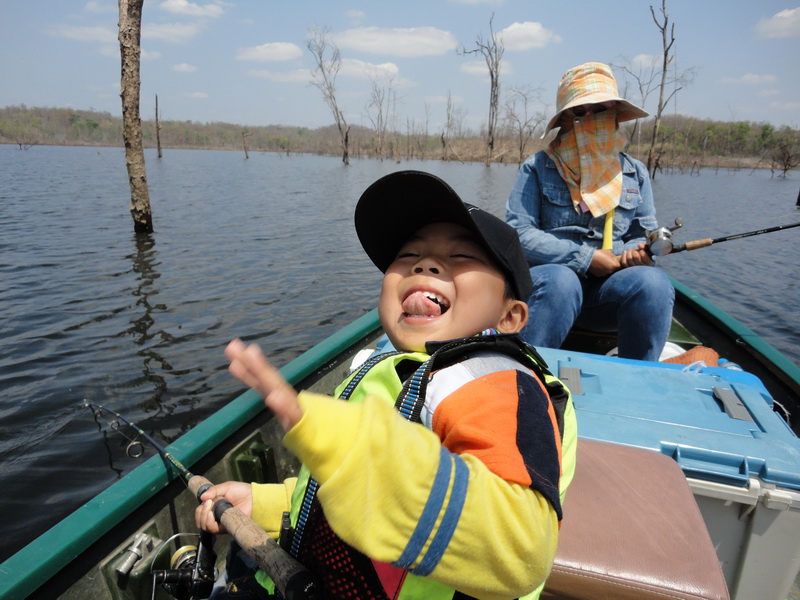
582, 208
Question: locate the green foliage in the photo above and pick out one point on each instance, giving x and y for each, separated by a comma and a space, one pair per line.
689, 140
785, 151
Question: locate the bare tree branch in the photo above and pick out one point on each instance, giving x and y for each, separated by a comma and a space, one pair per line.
328, 63
378, 109
521, 120
492, 51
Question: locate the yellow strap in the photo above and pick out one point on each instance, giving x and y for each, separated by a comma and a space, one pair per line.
608, 231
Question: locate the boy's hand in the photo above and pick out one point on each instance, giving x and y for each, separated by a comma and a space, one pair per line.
251, 367
239, 494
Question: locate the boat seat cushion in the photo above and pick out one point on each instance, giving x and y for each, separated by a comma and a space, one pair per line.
632, 530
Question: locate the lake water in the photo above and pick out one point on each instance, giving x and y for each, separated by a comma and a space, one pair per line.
262, 249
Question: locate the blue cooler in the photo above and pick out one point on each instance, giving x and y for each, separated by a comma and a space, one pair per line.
742, 461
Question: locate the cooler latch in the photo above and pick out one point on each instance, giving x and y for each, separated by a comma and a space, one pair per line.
733, 406
571, 377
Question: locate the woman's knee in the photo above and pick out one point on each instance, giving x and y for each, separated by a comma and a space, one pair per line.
555, 279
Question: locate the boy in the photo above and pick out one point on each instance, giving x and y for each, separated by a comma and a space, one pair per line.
469, 504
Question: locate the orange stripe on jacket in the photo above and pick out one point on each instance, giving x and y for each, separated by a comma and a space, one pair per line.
480, 418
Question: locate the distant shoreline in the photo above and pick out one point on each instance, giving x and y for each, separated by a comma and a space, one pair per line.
684, 144
685, 162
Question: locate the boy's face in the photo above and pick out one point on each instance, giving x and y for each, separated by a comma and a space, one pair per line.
443, 285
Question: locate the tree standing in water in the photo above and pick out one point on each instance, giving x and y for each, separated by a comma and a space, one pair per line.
328, 62
678, 81
130, 27
492, 51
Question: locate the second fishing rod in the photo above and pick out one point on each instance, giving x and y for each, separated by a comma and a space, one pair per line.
291, 578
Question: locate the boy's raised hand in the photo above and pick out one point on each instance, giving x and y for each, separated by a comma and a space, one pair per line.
251, 367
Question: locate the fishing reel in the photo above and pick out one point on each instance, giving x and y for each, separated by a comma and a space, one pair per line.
659, 241
192, 571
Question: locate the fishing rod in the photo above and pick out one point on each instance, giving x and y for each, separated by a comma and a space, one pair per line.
291, 578
659, 241
694, 245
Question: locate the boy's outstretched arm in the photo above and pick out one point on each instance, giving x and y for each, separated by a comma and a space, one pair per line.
251, 367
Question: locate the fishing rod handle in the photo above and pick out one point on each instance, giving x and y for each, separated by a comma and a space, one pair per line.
694, 245
291, 578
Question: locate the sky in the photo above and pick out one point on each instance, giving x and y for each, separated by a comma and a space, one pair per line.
246, 61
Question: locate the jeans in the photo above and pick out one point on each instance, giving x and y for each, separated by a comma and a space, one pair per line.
635, 302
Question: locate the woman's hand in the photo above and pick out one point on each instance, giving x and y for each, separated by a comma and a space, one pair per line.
638, 257
604, 263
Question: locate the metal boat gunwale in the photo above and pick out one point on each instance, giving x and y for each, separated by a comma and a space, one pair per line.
778, 364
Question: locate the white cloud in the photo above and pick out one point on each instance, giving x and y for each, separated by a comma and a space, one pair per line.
645, 62
474, 67
768, 93
296, 76
527, 35
750, 79
175, 33
198, 95
479, 68
782, 25
147, 54
185, 8
184, 68
409, 42
99, 33
793, 105
352, 67
270, 52
356, 16
99, 7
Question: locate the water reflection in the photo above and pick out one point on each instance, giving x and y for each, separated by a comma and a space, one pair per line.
160, 383
142, 329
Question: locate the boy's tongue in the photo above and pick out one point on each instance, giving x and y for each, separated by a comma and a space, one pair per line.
418, 304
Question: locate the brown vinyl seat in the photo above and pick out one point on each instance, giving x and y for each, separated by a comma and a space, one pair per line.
632, 531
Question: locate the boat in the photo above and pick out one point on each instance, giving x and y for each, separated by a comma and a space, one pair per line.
728, 516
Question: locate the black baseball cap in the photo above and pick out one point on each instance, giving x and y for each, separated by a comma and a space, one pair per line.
393, 208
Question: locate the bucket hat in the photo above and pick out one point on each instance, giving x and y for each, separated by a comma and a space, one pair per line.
395, 206
591, 83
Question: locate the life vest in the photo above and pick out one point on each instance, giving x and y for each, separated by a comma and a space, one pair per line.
343, 571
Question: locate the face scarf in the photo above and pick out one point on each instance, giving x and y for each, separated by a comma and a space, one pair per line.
587, 158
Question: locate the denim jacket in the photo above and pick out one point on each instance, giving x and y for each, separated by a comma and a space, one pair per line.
551, 231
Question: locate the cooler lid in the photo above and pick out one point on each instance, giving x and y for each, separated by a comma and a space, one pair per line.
717, 423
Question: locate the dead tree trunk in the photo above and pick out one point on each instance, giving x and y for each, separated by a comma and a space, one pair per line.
492, 51
158, 131
328, 62
245, 135
130, 26
666, 45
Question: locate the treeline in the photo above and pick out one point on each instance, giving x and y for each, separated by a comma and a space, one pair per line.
684, 143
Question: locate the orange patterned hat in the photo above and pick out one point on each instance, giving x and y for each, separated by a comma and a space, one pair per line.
591, 83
